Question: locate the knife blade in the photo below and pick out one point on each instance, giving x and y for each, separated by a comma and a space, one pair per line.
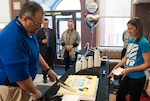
65, 86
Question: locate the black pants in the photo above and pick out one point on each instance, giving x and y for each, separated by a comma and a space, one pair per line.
132, 86
49, 58
68, 60
50, 55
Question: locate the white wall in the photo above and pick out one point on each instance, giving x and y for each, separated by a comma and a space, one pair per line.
4, 12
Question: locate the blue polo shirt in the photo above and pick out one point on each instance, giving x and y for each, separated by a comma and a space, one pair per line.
19, 53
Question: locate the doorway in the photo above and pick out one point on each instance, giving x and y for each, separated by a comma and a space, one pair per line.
58, 22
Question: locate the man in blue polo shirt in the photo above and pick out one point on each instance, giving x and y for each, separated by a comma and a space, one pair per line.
19, 56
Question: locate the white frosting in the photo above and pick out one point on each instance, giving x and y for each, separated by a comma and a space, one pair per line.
85, 86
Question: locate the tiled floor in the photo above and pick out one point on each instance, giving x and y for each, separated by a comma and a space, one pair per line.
58, 69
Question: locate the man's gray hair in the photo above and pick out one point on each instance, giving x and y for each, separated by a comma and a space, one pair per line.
29, 9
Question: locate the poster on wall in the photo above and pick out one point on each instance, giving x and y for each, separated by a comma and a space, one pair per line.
16, 5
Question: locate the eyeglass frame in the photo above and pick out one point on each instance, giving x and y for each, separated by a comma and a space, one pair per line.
36, 23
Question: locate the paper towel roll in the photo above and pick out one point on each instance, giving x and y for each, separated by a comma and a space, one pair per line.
97, 58
90, 61
78, 66
84, 62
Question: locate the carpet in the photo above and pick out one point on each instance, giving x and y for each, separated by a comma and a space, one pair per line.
112, 97
59, 69
142, 98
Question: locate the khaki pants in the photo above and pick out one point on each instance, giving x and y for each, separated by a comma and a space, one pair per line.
9, 93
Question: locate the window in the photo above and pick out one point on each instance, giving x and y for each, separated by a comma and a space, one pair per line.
5, 13
71, 5
61, 20
114, 15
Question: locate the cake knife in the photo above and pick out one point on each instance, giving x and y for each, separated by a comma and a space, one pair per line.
64, 85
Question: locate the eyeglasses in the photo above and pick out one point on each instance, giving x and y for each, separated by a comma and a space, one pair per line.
36, 23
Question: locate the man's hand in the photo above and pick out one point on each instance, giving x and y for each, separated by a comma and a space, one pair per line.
44, 41
52, 75
36, 95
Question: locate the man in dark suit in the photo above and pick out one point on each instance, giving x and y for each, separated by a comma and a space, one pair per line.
46, 42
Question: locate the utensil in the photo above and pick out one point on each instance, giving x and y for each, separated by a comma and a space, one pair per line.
65, 86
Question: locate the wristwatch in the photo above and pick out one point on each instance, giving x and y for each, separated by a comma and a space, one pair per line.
48, 69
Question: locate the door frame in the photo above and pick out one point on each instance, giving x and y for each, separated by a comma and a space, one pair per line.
55, 27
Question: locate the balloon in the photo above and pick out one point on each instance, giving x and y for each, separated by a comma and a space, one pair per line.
91, 7
92, 20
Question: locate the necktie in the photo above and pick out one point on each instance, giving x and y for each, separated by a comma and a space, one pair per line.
46, 32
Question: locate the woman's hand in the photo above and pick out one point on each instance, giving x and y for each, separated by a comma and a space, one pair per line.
125, 71
148, 89
68, 47
110, 75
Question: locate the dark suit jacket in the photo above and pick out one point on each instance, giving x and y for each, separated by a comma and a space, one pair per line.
41, 36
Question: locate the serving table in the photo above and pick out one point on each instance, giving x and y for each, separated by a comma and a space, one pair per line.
100, 72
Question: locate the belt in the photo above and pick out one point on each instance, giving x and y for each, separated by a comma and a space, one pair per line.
8, 83
11, 84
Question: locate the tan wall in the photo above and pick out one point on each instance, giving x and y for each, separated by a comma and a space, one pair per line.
14, 10
86, 34
141, 11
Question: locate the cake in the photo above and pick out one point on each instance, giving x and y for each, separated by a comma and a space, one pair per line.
84, 85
